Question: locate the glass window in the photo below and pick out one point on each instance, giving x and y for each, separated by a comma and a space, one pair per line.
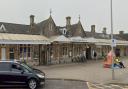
24, 49
21, 49
11, 49
16, 67
4, 66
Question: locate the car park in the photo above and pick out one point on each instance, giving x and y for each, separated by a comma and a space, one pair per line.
13, 72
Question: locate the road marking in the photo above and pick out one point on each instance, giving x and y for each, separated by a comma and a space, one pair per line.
89, 87
117, 86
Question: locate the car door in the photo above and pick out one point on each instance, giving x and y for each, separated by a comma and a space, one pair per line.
17, 74
4, 72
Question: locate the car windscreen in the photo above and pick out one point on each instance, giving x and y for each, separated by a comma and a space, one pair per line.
27, 67
4, 66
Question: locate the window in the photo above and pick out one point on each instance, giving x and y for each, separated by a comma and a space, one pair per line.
4, 66
16, 67
64, 32
11, 50
64, 51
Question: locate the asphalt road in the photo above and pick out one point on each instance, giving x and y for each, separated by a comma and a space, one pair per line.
57, 84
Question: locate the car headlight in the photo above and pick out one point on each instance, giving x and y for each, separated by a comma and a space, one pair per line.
40, 76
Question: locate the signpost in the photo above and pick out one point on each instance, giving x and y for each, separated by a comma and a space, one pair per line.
114, 42
113, 73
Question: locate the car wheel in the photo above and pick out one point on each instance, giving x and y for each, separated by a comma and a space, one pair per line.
32, 84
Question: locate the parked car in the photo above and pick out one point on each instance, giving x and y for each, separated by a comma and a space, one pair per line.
13, 72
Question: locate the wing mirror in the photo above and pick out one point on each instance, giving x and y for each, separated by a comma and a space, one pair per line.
22, 71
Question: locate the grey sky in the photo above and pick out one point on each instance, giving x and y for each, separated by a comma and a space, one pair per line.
91, 11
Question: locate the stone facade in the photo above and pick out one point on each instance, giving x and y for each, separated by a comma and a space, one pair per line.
58, 52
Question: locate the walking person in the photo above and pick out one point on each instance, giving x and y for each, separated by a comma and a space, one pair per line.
95, 55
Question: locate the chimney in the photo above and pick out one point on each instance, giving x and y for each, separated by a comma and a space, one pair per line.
104, 30
121, 32
68, 21
31, 19
93, 28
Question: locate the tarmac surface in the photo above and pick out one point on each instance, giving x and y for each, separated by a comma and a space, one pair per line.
91, 75
57, 84
92, 71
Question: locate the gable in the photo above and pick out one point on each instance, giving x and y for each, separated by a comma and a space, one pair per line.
2, 28
48, 28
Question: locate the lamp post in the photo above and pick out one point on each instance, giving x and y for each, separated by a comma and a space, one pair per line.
112, 49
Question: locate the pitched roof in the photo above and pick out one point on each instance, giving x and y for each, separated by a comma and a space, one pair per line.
121, 36
48, 27
15, 28
97, 35
76, 30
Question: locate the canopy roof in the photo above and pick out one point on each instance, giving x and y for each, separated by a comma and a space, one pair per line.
60, 38
78, 39
6, 38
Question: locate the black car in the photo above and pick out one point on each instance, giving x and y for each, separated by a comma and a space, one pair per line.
12, 72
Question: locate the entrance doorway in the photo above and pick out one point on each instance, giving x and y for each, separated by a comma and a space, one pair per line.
88, 53
3, 53
11, 54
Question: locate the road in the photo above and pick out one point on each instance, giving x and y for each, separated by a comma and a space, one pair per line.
71, 84
58, 84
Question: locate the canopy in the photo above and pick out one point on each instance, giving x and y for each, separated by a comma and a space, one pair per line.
6, 38
60, 38
78, 39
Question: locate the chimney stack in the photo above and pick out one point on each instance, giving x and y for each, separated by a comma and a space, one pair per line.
68, 21
32, 19
93, 28
121, 32
104, 30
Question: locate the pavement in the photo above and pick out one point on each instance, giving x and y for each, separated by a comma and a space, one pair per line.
91, 71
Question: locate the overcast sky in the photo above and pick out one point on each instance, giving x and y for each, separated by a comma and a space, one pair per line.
91, 11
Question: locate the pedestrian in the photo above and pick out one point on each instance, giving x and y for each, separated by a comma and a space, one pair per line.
118, 63
95, 55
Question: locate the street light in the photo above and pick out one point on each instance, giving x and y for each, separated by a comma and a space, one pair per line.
113, 74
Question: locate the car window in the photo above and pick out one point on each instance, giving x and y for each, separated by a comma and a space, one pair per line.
16, 67
25, 69
4, 66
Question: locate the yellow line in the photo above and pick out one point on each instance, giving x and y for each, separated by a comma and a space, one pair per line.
89, 87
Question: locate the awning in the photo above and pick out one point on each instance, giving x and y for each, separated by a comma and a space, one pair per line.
6, 38
92, 40
109, 41
60, 38
78, 39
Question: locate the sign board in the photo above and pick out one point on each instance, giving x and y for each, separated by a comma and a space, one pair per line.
114, 42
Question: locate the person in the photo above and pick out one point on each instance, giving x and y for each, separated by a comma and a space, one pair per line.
117, 52
108, 60
95, 55
118, 63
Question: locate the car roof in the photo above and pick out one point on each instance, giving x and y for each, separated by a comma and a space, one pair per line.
9, 61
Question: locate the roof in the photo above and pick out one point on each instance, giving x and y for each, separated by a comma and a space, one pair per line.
61, 38
122, 36
76, 30
97, 35
48, 28
6, 38
15, 28
78, 39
